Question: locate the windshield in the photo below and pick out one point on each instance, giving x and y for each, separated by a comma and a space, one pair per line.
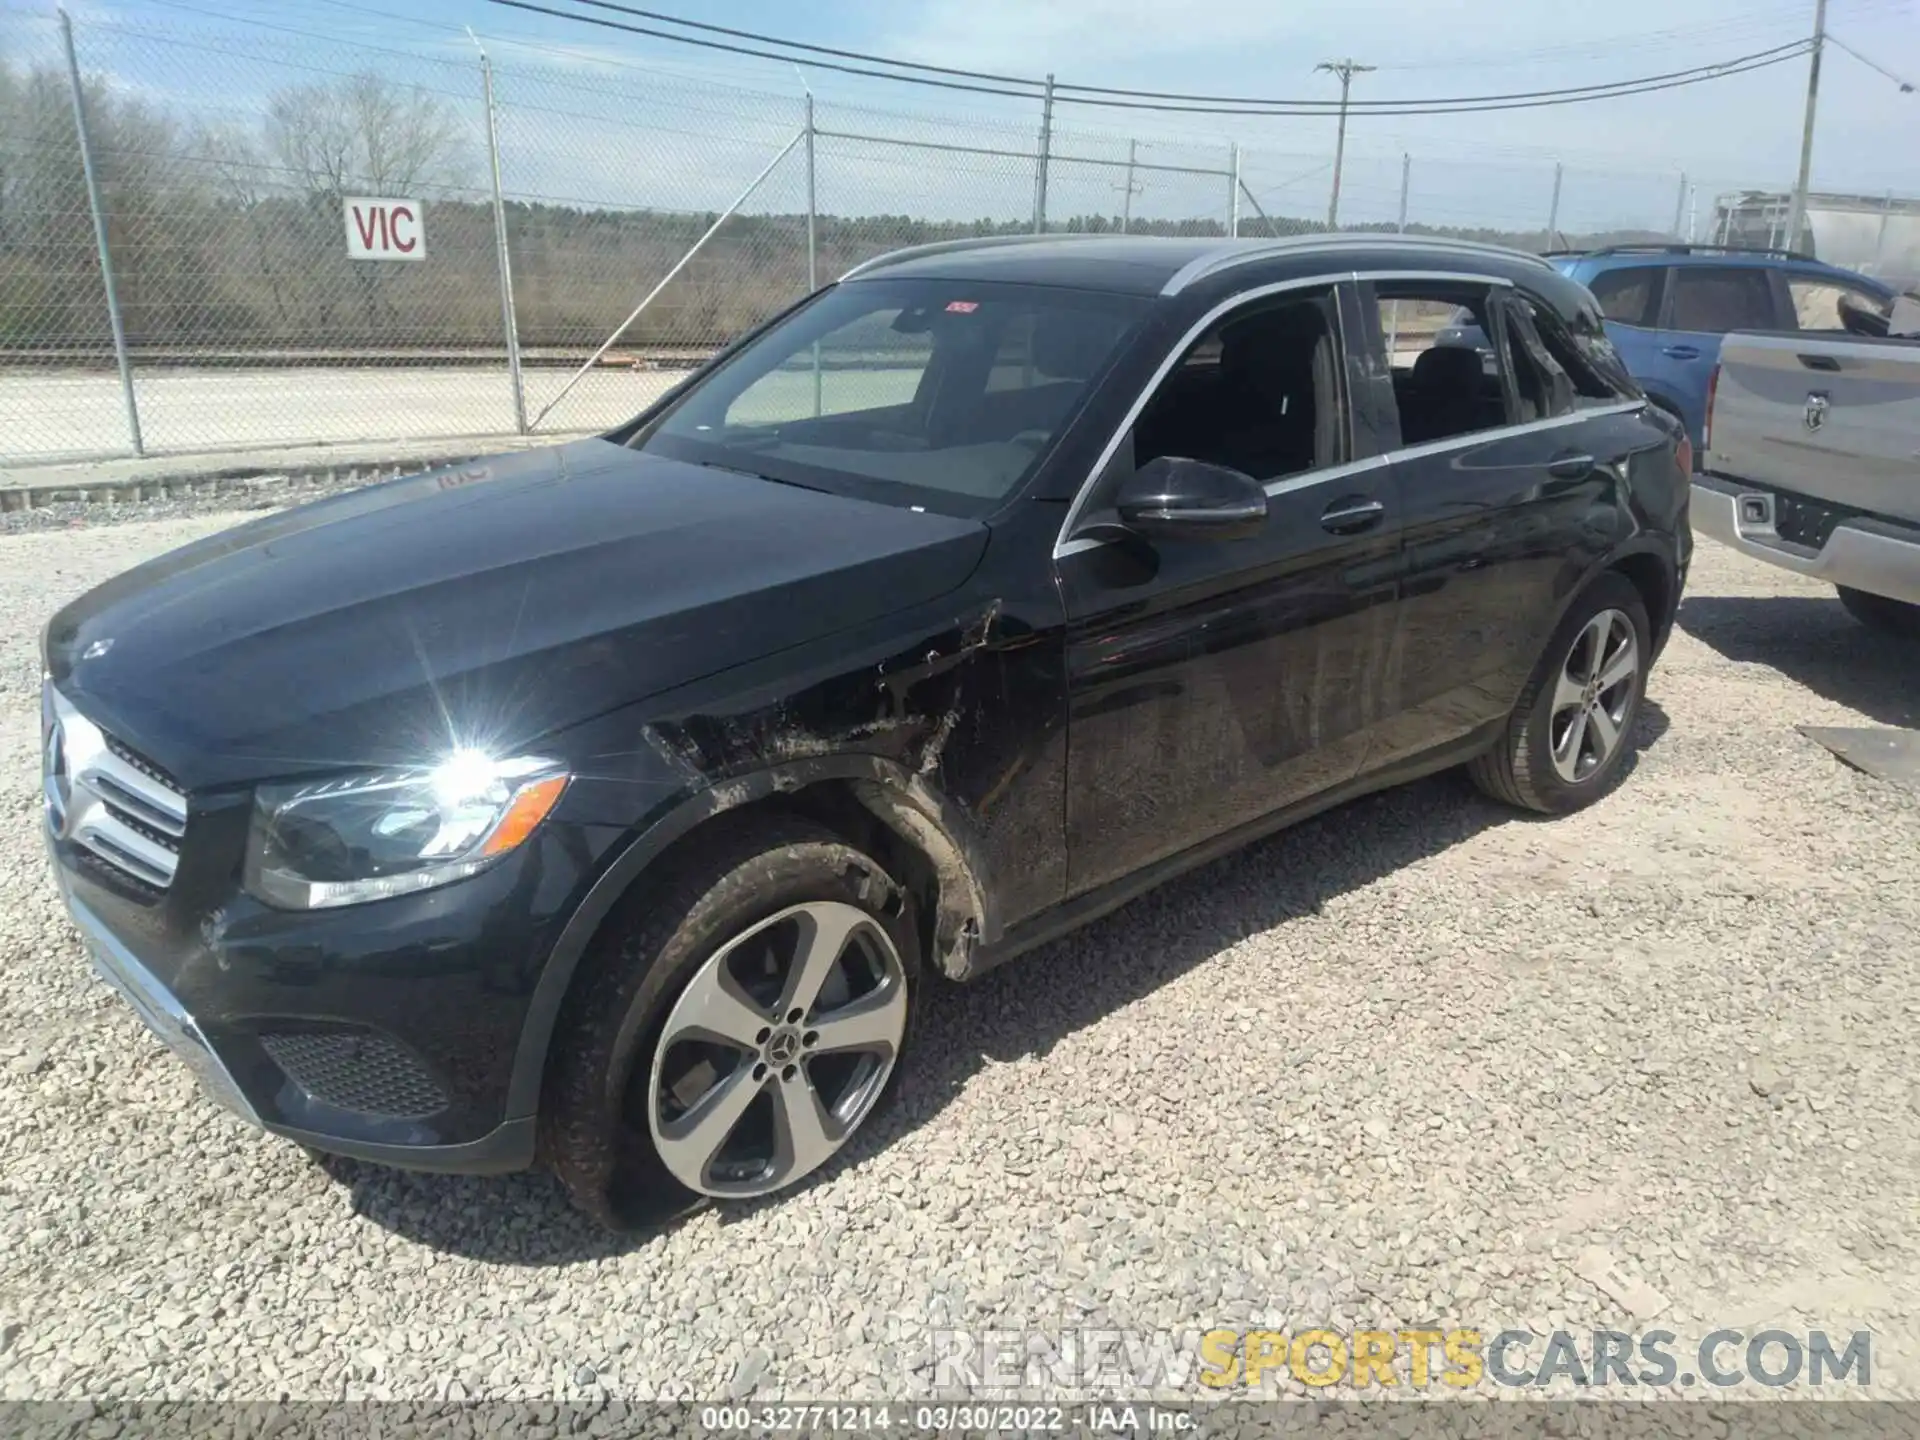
914, 392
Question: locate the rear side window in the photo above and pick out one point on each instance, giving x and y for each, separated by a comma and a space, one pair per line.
1540, 382
1629, 295
1589, 385
1816, 303
1716, 300
1441, 389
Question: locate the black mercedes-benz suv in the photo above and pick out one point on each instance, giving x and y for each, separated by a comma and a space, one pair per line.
610, 806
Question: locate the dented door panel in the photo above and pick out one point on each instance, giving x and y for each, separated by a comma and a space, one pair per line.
1213, 683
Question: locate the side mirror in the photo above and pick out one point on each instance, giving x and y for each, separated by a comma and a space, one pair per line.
1173, 497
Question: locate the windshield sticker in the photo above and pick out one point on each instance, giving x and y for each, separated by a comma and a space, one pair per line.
962, 307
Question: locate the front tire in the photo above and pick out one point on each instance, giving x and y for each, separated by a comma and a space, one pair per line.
1878, 612
1573, 727
735, 1027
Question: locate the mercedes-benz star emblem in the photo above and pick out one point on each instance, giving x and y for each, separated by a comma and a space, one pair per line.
783, 1047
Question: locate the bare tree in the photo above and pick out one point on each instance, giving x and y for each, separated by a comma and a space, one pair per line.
230, 161
239, 176
364, 133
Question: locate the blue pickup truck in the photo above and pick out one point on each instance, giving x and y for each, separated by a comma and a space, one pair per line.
1667, 307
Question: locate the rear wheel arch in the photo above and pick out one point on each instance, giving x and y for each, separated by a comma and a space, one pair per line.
1648, 565
1657, 580
868, 802
1528, 766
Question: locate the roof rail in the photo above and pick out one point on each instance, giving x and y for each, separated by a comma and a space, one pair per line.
948, 247
1241, 252
1661, 249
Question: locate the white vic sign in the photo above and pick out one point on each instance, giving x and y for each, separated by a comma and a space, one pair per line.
379, 229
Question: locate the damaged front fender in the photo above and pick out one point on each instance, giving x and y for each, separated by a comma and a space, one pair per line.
900, 800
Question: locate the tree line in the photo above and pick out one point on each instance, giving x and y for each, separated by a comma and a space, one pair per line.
230, 239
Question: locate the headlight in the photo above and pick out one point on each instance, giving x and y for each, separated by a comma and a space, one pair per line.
370, 836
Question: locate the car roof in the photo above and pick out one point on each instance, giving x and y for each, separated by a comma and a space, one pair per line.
1166, 265
1654, 255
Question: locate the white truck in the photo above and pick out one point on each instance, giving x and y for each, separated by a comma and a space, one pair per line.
1813, 458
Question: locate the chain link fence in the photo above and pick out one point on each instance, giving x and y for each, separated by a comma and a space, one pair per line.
584, 232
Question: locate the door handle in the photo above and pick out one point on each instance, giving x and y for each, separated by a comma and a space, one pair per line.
1570, 467
1819, 362
1351, 515
1681, 352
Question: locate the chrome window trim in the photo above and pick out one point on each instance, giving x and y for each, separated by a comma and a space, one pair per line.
1474, 437
1063, 547
1449, 277
1161, 371
1290, 483
1285, 485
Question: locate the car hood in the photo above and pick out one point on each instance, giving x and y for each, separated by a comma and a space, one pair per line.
485, 604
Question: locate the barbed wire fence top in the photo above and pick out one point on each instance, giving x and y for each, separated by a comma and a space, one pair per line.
224, 163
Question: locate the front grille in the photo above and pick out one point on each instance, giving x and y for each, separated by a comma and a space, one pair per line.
358, 1070
109, 800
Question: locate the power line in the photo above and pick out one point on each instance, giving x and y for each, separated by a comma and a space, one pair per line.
769, 55
1133, 94
803, 45
1741, 66
1905, 85
1745, 27
1093, 96
1758, 21
1702, 71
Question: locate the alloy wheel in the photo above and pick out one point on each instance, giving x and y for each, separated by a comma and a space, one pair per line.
778, 1048
1593, 696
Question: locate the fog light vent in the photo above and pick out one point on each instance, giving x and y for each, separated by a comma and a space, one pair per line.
359, 1070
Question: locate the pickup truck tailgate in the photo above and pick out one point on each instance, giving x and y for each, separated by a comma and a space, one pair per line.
1833, 417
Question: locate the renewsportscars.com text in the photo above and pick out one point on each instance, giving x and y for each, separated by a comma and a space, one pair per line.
1457, 1358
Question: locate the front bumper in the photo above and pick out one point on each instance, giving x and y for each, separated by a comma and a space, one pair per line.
156, 1005
239, 1076
390, 1031
1862, 553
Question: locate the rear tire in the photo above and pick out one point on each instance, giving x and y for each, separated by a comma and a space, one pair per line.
1877, 612
691, 1051
1573, 727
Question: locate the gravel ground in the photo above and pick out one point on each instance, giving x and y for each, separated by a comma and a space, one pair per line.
267, 492
1409, 1062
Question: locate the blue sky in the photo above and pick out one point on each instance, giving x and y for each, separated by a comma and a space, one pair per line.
1622, 156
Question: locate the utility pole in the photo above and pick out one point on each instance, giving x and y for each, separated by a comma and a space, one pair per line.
1797, 211
1233, 191
1346, 70
1131, 189
1042, 161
